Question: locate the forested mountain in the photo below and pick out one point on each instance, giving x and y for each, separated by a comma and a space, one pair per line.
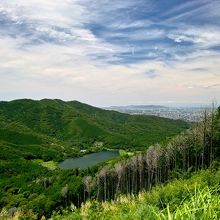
76, 125
191, 195
35, 133
193, 150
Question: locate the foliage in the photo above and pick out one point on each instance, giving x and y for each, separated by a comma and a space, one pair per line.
76, 124
35, 135
190, 151
194, 198
51, 165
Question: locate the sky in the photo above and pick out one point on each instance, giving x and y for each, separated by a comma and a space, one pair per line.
110, 52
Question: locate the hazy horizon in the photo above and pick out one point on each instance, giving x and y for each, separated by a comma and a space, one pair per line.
168, 104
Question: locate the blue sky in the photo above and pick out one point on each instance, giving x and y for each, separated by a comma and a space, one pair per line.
110, 52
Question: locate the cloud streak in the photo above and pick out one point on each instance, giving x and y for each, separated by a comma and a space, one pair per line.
110, 50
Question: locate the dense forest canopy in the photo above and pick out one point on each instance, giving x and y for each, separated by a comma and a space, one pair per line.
35, 135
78, 125
193, 150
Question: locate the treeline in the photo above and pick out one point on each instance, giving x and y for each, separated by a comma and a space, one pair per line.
193, 197
192, 150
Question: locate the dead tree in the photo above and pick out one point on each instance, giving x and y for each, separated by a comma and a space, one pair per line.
119, 169
87, 181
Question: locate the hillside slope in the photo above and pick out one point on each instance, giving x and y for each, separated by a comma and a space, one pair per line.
196, 198
80, 125
36, 134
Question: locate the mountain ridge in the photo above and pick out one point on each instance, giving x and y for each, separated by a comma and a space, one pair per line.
61, 119
67, 127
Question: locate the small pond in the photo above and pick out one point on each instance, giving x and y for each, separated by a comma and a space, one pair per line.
88, 160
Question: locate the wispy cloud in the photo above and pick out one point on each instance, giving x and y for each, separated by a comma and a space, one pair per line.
152, 74
91, 49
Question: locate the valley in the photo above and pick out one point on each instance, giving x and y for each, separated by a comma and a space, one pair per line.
109, 110
37, 136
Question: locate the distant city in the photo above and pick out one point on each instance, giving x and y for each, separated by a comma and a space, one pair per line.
190, 114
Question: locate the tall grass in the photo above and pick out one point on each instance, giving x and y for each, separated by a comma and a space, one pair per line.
189, 199
203, 205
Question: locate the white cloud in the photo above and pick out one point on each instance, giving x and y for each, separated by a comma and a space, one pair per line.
203, 37
61, 72
39, 11
75, 63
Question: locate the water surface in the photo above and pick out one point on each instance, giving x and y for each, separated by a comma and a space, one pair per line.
88, 160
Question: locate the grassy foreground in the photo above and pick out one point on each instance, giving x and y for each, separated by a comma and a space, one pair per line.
197, 197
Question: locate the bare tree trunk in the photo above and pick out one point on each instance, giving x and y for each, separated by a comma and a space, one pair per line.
204, 137
105, 188
98, 186
212, 131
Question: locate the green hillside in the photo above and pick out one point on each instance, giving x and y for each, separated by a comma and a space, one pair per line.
34, 135
76, 124
37, 134
194, 197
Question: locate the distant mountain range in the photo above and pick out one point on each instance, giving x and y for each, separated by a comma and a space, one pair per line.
191, 114
136, 107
